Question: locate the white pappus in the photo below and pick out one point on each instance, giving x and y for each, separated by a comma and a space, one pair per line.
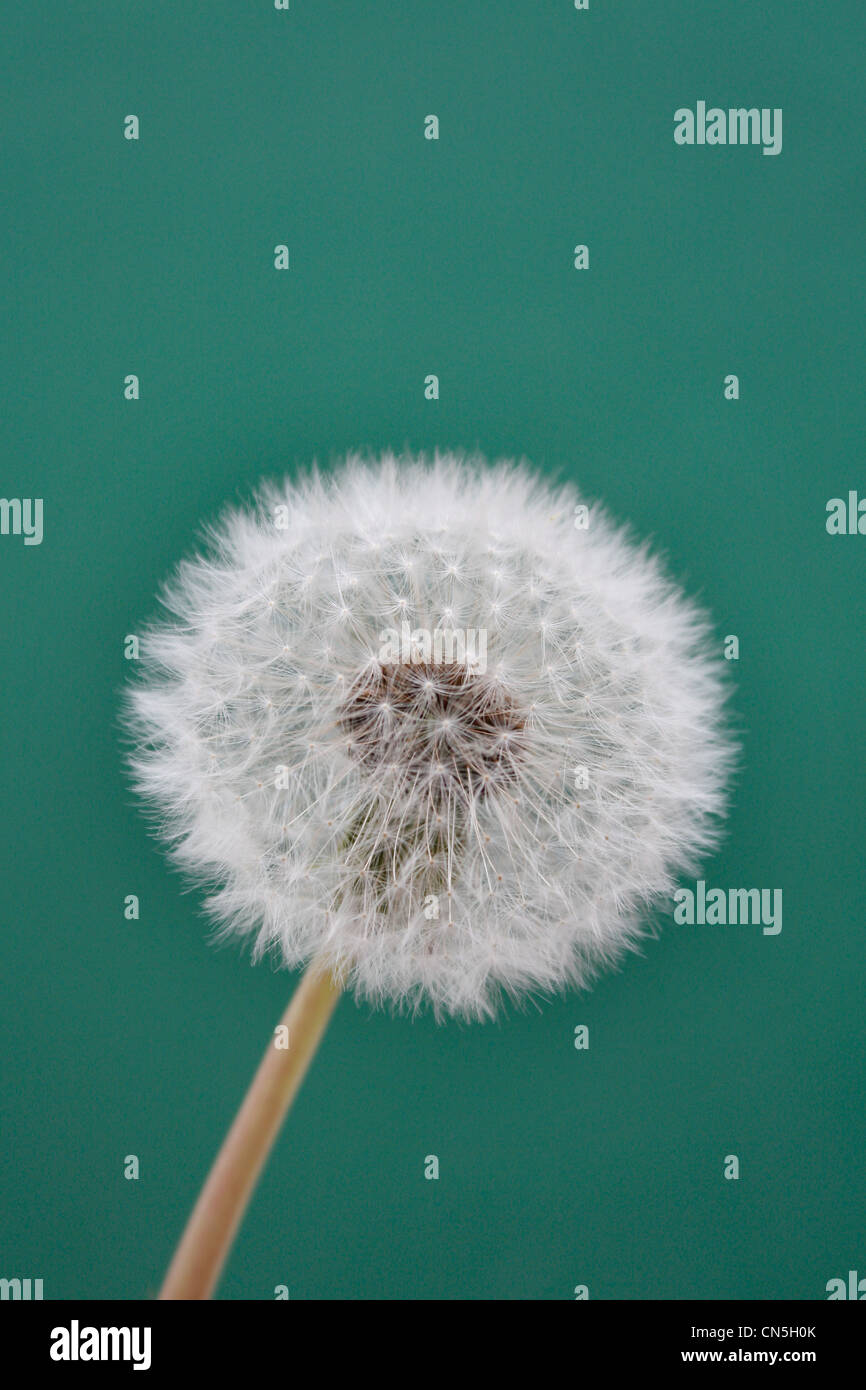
408, 717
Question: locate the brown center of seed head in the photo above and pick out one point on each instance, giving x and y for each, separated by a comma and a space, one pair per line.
442, 726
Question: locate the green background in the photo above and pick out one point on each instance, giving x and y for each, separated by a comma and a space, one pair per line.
408, 256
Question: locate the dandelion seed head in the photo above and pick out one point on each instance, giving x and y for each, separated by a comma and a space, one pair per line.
328, 791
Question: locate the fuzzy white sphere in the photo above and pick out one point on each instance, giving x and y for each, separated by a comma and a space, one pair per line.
418, 718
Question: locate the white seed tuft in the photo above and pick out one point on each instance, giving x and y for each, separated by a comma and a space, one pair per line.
412, 812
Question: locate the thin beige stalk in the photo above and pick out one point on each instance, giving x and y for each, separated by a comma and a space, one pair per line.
198, 1261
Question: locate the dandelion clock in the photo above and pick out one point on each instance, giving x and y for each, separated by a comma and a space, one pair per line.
434, 729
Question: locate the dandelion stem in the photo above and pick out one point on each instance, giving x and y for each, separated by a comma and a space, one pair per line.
199, 1258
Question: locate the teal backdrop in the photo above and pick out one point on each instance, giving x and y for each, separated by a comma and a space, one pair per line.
409, 256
